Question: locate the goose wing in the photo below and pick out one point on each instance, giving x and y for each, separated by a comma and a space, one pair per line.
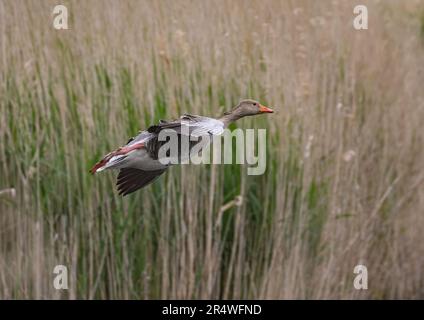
131, 179
190, 124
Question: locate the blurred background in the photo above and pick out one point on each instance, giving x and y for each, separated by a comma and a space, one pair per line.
344, 178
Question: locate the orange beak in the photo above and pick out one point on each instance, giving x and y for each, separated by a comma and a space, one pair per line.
263, 109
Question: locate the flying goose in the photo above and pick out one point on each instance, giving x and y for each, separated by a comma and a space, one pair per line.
138, 161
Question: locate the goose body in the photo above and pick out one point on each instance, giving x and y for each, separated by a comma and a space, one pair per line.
138, 160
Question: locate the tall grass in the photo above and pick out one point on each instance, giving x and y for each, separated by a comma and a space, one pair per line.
344, 178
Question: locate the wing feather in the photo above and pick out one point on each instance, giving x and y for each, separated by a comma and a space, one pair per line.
131, 179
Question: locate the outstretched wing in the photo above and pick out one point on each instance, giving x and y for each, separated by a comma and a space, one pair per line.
131, 179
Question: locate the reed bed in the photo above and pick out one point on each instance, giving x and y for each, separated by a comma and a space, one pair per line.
344, 178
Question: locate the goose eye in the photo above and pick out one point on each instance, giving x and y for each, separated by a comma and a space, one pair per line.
255, 104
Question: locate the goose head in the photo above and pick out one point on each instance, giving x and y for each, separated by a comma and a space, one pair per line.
250, 108
245, 108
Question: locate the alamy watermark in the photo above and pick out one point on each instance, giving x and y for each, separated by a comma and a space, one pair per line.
60, 281
361, 280
60, 20
195, 147
360, 22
